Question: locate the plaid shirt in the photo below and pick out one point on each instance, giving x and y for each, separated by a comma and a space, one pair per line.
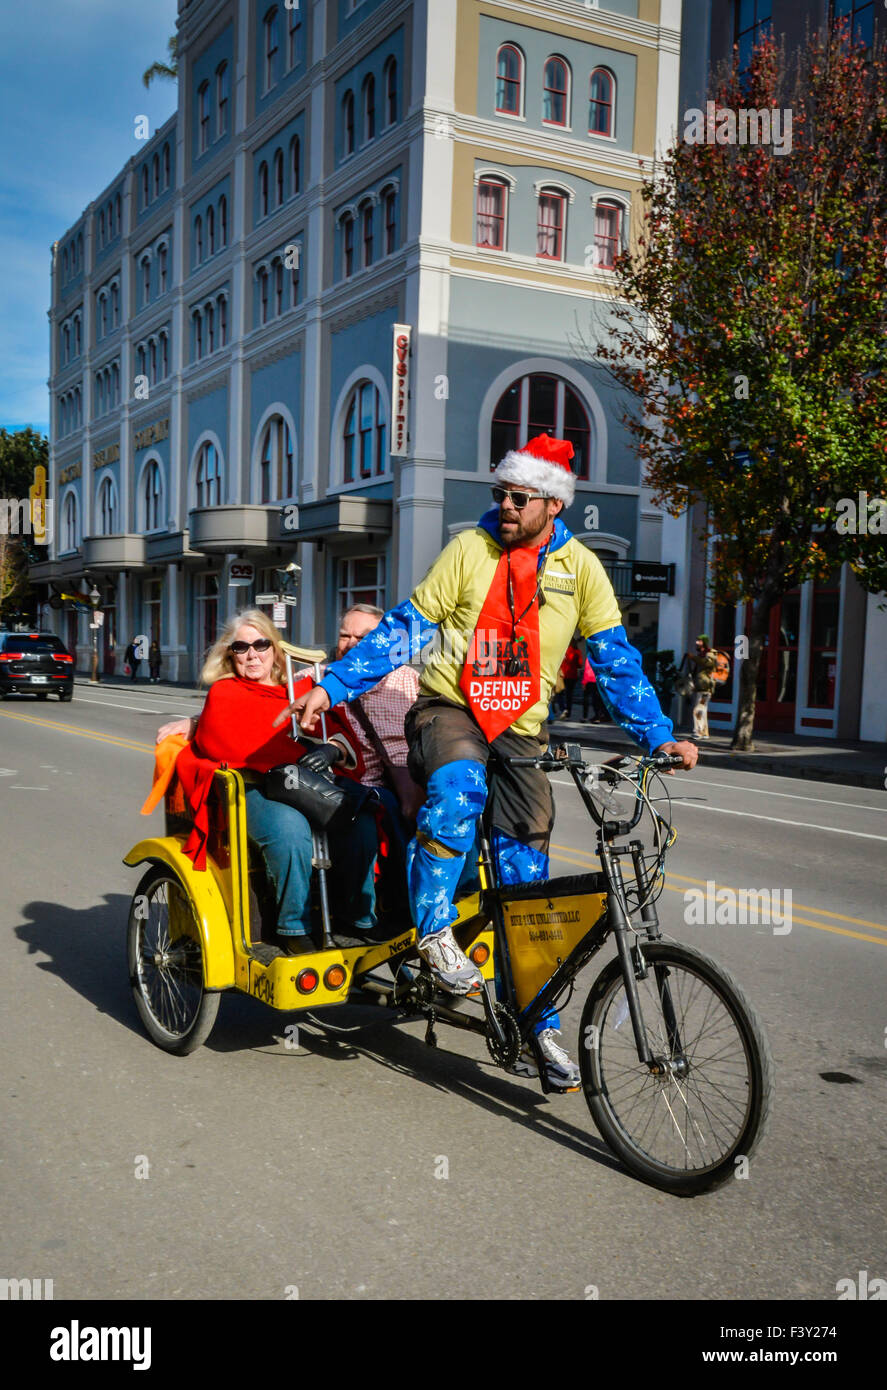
386, 707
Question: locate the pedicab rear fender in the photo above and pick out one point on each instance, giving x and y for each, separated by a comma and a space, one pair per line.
209, 905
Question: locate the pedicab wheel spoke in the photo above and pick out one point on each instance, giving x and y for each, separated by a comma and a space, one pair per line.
684, 1125
165, 952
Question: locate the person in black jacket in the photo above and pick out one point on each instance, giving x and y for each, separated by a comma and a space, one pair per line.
132, 659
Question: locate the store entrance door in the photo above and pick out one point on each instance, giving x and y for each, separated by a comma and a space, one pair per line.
778, 669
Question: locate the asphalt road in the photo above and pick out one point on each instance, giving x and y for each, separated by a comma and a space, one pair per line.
319, 1168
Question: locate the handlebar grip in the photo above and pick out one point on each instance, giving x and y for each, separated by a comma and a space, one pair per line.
664, 760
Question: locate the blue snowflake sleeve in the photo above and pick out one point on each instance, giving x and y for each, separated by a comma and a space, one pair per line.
400, 636
625, 690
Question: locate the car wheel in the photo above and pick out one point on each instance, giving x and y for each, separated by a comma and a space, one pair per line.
69, 695
43, 695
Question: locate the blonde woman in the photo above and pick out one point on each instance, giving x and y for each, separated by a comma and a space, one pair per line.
246, 671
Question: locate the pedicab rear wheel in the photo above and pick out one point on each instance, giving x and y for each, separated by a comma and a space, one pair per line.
165, 954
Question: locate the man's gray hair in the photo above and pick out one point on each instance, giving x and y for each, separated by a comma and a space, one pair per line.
365, 608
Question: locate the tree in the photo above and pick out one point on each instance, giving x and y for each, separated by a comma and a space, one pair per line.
749, 321
20, 454
170, 69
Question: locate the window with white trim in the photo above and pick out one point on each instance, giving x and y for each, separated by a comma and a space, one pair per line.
550, 225
556, 92
152, 498
541, 403
271, 33
222, 99
369, 108
601, 102
71, 528
203, 118
276, 462
208, 476
492, 204
608, 232
361, 580
509, 80
365, 434
107, 508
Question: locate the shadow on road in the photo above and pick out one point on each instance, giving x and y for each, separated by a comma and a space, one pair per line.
87, 949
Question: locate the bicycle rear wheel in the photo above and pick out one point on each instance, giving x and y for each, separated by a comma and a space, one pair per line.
686, 1128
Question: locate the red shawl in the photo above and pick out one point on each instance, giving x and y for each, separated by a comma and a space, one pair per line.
235, 729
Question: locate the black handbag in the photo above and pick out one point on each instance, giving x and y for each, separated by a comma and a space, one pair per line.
327, 803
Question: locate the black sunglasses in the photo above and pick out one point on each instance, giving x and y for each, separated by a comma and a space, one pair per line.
260, 645
518, 499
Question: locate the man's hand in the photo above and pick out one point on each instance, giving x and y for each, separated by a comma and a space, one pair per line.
306, 708
686, 750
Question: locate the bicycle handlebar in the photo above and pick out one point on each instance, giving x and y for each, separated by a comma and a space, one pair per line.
550, 762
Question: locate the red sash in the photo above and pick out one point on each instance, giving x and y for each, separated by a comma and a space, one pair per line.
496, 697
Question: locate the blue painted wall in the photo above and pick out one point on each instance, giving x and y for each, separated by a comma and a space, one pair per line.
283, 77
203, 69
280, 140
199, 209
351, 16
373, 190
371, 63
165, 196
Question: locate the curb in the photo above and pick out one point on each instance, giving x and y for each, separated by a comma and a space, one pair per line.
166, 692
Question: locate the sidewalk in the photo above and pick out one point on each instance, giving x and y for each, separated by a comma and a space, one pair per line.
142, 686
784, 755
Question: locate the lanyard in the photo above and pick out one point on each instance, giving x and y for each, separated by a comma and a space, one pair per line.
540, 569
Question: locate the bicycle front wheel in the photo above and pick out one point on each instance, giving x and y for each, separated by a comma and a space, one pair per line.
685, 1125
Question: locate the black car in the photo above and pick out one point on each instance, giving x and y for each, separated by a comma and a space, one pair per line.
35, 663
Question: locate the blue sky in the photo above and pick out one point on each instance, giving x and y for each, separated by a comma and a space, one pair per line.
70, 89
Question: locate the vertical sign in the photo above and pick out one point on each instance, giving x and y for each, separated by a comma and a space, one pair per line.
400, 388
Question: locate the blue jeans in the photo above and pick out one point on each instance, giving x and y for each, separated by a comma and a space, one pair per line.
284, 837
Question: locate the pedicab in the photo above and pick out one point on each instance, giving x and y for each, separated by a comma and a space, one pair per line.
674, 1062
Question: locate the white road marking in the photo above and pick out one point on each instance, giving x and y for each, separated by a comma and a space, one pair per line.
16, 788
135, 709
794, 796
8, 772
778, 820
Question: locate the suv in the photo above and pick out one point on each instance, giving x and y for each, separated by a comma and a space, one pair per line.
35, 663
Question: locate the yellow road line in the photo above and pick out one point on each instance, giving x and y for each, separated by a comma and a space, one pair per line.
803, 921
83, 733
683, 878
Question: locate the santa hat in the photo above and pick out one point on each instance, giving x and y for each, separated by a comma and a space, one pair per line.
542, 465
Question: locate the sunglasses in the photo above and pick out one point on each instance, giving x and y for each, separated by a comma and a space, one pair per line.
517, 499
260, 645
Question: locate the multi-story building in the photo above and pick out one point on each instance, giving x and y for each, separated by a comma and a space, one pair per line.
823, 673
343, 279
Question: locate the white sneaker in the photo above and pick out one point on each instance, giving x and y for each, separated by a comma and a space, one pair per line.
561, 1073
451, 968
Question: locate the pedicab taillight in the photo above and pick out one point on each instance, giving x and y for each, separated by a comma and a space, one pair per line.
335, 977
307, 981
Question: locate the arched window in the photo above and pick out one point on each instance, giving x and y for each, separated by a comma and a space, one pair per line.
102, 227
492, 205
389, 204
347, 245
140, 360
203, 118
198, 334
294, 21
271, 32
79, 250
152, 359
118, 206
607, 232
166, 166
539, 404
107, 509
366, 227
348, 122
263, 294
223, 320
209, 314
278, 178
278, 288
222, 89
66, 343
295, 276
198, 239
263, 189
550, 224
76, 335
152, 497
155, 174
223, 221
211, 229
365, 436
276, 462
103, 314
78, 406
391, 91
162, 259
144, 185
115, 383
295, 171
115, 304
71, 521
369, 107
555, 97
208, 477
164, 355
146, 279
600, 102
509, 80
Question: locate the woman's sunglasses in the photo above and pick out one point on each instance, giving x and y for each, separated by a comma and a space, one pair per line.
518, 499
260, 645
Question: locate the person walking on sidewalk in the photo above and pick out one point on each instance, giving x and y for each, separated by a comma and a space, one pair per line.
506, 597
155, 661
702, 662
132, 658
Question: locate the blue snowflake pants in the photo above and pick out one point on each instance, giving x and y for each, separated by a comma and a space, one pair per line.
448, 754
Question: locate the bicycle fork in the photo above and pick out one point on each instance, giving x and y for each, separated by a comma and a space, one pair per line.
631, 959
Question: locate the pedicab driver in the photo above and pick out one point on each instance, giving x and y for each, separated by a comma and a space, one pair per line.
502, 602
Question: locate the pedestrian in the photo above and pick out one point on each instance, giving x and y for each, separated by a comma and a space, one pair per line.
506, 597
702, 663
591, 693
132, 659
155, 660
570, 668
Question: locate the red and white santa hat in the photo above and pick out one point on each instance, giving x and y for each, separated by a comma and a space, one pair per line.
542, 465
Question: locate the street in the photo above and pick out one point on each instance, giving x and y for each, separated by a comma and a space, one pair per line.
364, 1165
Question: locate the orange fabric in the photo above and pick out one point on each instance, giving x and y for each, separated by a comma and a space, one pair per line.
495, 699
165, 755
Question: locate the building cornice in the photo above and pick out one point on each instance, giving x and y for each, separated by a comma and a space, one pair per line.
559, 16
542, 148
